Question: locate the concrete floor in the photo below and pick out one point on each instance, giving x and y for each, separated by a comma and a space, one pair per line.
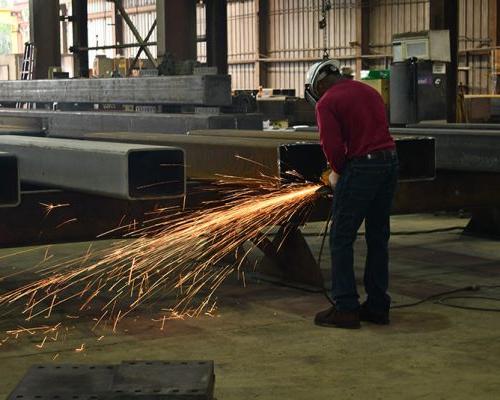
265, 345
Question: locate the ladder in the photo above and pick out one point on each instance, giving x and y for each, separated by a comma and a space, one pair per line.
27, 68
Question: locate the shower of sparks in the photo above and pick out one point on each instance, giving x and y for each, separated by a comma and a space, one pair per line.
69, 221
50, 207
182, 255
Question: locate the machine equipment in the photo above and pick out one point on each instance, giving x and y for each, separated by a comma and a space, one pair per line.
418, 87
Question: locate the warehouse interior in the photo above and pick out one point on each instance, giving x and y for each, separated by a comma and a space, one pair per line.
165, 223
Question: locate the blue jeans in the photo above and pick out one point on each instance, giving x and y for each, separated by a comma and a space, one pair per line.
364, 192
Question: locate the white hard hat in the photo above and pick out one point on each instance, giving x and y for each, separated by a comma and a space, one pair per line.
316, 73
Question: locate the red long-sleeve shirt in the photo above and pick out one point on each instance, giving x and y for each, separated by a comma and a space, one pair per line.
352, 122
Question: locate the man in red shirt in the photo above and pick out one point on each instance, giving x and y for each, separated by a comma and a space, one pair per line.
354, 134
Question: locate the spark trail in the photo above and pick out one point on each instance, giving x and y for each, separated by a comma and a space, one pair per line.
180, 255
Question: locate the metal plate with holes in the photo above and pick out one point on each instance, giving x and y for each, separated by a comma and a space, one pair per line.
146, 380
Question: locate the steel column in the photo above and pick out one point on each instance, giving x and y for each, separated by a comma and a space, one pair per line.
176, 32
262, 34
80, 38
217, 35
444, 15
118, 29
45, 34
117, 170
362, 35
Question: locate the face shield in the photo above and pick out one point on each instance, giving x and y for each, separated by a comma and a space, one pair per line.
316, 73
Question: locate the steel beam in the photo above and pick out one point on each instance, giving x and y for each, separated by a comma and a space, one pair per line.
117, 170
9, 181
417, 155
466, 126
251, 133
17, 125
76, 124
450, 191
462, 150
210, 158
203, 90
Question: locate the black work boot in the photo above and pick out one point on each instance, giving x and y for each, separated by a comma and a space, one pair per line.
379, 318
338, 319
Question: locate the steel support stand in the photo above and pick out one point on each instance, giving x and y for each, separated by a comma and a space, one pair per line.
291, 257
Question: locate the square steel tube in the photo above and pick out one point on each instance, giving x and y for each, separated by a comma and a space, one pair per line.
74, 124
132, 172
203, 90
211, 158
462, 149
9, 181
211, 155
417, 154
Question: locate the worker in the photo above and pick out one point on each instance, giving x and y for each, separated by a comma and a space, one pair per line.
354, 134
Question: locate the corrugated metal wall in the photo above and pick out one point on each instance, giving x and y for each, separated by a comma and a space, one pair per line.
391, 17
475, 67
294, 41
242, 46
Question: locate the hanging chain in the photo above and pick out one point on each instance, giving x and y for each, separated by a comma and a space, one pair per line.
326, 6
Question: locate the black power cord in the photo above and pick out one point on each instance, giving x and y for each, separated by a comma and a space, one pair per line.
425, 232
443, 300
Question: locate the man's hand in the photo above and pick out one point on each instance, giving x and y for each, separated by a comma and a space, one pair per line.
333, 178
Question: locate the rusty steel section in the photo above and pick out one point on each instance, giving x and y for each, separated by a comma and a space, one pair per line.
417, 155
211, 158
214, 154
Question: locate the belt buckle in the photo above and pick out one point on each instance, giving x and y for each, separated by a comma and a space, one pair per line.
369, 156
